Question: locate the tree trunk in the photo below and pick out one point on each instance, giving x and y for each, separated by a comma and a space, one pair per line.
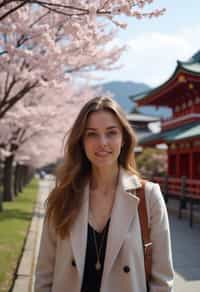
1, 201
17, 180
28, 174
20, 174
1, 190
21, 178
8, 179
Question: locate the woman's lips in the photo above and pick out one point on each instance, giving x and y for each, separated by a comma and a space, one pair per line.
102, 153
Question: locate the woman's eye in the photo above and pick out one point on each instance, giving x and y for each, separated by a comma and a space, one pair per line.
112, 133
91, 134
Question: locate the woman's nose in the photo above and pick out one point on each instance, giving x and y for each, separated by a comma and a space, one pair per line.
103, 140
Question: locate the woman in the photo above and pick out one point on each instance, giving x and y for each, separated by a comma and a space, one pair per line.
91, 238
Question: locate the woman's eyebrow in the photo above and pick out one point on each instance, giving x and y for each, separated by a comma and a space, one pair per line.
112, 127
89, 128
107, 128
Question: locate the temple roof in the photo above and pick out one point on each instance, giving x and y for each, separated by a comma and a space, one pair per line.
140, 122
139, 117
190, 67
188, 131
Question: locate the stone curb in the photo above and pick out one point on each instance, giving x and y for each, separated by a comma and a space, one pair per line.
25, 275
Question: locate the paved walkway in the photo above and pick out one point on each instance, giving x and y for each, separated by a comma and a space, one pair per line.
186, 254
185, 245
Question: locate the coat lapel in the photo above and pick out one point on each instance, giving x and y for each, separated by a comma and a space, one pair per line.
123, 213
78, 234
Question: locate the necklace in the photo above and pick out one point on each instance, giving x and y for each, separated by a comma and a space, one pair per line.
98, 250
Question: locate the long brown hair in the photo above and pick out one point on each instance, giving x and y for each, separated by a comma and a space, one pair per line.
64, 202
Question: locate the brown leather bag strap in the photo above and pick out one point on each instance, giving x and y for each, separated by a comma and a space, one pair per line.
145, 230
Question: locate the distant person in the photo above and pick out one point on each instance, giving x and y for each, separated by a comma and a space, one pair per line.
91, 237
42, 174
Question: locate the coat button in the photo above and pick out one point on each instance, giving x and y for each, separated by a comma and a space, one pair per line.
73, 263
126, 269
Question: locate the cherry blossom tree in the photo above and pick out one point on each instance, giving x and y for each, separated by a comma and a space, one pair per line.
32, 131
42, 50
44, 42
81, 8
152, 162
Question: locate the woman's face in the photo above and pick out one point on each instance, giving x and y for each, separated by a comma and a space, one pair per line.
103, 138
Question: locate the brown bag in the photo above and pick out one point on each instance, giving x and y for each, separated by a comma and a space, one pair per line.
145, 230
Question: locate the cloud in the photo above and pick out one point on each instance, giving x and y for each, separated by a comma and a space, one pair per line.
153, 55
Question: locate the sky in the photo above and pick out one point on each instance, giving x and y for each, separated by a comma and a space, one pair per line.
155, 45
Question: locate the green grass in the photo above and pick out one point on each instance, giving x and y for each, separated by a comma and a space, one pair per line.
14, 223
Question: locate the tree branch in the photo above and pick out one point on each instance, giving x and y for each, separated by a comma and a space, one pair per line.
14, 99
12, 10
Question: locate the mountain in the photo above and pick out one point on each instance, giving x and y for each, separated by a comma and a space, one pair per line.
121, 90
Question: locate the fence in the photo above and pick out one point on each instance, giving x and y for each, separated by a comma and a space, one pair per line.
183, 189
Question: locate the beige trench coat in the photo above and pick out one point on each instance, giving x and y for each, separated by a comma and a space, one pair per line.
61, 262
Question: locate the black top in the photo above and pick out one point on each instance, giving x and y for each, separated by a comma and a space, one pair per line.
92, 277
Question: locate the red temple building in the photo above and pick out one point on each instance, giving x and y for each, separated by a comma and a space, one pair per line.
181, 132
